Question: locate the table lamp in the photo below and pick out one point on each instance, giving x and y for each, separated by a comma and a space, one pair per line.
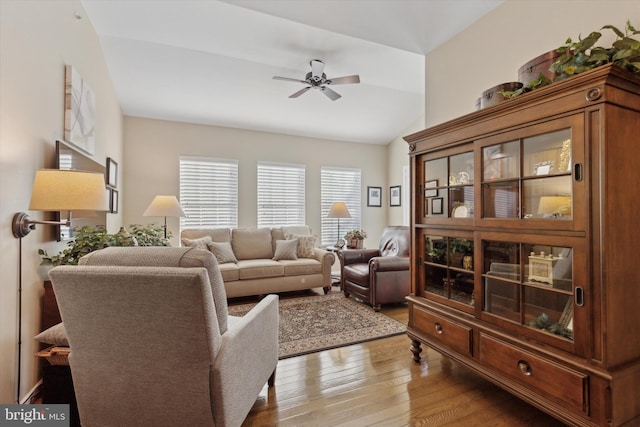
164, 206
338, 210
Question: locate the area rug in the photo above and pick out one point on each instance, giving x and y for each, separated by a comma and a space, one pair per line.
316, 323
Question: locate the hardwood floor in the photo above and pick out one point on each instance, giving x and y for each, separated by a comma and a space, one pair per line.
378, 384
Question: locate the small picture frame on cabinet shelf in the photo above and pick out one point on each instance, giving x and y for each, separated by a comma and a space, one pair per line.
429, 188
436, 206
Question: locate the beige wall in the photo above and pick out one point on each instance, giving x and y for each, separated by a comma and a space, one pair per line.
37, 39
153, 148
492, 50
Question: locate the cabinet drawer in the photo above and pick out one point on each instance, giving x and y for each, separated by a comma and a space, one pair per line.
553, 380
453, 335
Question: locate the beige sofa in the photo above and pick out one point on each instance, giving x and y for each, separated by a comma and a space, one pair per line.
261, 261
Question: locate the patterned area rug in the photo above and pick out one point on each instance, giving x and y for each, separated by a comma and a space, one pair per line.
316, 323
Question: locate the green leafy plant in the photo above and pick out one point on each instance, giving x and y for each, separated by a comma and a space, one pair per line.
356, 235
583, 55
89, 239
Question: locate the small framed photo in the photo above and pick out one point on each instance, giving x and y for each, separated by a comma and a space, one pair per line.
436, 206
374, 196
394, 195
430, 189
113, 201
543, 168
112, 173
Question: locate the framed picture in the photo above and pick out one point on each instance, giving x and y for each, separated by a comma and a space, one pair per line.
430, 189
394, 195
112, 173
374, 196
113, 202
436, 206
79, 111
543, 168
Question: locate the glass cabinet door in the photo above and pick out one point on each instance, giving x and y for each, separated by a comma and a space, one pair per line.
448, 265
532, 285
534, 175
447, 187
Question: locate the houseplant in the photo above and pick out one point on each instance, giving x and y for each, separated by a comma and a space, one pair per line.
354, 238
583, 55
89, 239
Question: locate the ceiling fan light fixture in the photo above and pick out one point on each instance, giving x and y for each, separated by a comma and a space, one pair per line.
317, 79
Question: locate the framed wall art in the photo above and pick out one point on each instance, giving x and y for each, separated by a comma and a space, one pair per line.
79, 111
394, 195
374, 196
112, 173
436, 206
430, 189
113, 202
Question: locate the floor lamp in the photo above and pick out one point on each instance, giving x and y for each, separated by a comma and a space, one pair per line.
338, 210
164, 206
55, 190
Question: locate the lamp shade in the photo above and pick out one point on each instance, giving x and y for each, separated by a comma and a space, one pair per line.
164, 206
550, 205
339, 210
68, 190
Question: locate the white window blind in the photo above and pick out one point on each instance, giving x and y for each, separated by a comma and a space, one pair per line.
281, 194
208, 192
340, 185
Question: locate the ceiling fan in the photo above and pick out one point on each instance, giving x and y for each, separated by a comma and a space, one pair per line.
317, 79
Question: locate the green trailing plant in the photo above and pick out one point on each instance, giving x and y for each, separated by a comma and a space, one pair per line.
583, 55
89, 239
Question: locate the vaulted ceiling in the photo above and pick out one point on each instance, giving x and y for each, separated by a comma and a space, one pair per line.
212, 62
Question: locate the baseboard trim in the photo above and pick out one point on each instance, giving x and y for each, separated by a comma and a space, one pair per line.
33, 395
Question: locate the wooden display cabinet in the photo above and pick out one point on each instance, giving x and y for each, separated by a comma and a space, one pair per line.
524, 270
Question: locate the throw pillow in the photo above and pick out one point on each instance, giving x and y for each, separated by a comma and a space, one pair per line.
55, 335
306, 245
222, 251
200, 243
286, 249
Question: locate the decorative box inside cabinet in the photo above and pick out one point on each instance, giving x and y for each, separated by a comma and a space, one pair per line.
524, 246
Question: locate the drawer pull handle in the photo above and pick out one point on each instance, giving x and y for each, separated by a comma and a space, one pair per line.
439, 329
524, 368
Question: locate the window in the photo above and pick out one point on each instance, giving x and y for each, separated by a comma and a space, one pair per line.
281, 194
208, 192
340, 185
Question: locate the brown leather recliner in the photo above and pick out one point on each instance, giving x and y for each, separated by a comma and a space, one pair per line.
378, 276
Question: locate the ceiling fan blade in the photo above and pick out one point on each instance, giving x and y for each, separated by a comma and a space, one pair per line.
345, 80
330, 93
317, 67
300, 92
287, 79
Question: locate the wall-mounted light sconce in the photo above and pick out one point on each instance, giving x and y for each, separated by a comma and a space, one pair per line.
62, 190
164, 206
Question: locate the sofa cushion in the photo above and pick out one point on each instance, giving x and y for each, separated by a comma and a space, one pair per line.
230, 272
286, 250
200, 243
306, 245
301, 266
260, 268
222, 251
252, 243
216, 234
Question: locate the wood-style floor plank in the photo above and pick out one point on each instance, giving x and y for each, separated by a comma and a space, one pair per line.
377, 383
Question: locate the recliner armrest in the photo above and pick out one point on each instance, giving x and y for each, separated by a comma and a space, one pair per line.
237, 374
389, 263
358, 256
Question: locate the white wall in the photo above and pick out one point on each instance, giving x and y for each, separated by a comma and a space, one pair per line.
153, 148
491, 51
37, 39
398, 155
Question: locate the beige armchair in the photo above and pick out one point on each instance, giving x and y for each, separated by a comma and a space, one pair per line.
152, 343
